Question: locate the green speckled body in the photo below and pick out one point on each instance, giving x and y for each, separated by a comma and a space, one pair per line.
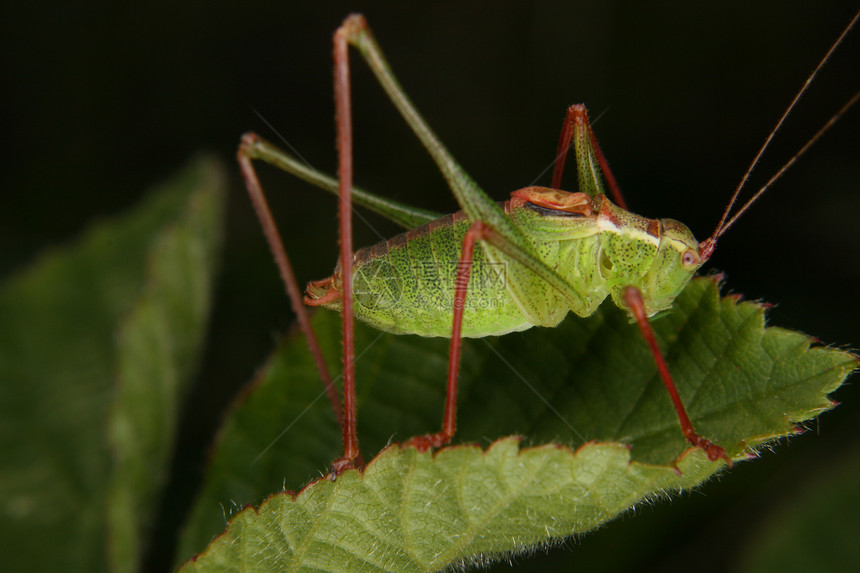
406, 285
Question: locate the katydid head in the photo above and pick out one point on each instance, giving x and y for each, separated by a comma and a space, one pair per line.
679, 255
676, 261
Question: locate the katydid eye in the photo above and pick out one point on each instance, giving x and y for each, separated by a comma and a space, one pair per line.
689, 259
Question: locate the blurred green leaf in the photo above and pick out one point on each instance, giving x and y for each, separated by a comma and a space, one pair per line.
99, 341
817, 529
587, 380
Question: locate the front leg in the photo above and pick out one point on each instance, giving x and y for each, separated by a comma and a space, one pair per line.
633, 298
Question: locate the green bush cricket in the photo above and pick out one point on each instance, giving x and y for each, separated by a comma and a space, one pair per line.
491, 268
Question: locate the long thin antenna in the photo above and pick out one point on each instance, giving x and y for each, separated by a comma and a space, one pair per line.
721, 228
790, 162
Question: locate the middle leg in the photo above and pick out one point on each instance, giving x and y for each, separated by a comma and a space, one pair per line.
577, 128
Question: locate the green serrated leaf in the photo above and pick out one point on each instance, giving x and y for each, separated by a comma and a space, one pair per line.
589, 379
418, 512
98, 341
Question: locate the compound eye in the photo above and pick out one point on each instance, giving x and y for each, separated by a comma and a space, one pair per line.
689, 260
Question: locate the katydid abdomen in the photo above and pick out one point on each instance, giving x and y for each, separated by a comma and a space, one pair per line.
406, 285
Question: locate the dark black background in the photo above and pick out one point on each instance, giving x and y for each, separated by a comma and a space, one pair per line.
101, 101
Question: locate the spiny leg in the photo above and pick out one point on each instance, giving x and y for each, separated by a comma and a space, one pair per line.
633, 298
476, 232
355, 31
576, 124
343, 119
273, 237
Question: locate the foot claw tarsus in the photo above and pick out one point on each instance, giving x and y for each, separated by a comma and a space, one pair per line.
426, 442
339, 466
714, 451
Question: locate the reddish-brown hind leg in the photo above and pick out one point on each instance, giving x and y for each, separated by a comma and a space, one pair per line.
351, 453
476, 232
343, 117
633, 298
576, 123
245, 155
